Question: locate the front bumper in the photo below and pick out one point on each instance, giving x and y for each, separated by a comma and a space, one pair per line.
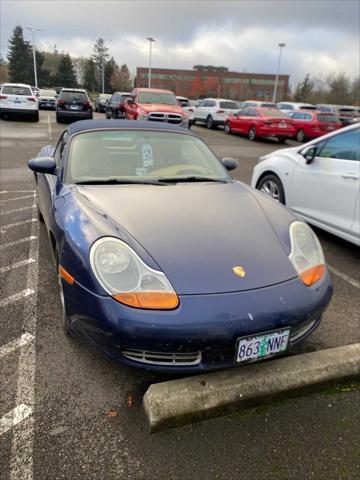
210, 324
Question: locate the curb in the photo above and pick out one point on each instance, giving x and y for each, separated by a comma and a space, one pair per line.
193, 399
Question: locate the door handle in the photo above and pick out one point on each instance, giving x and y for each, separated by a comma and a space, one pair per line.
351, 176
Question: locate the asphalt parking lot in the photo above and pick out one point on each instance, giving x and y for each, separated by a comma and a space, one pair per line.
68, 412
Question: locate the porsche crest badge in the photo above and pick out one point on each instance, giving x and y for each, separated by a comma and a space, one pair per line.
239, 271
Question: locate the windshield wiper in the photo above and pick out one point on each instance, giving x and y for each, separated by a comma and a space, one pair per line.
193, 178
119, 181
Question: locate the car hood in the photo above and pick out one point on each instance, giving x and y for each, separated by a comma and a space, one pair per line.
196, 233
160, 107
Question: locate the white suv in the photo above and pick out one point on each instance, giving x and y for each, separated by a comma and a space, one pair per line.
18, 98
214, 111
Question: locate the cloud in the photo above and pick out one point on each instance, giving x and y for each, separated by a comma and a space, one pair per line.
321, 36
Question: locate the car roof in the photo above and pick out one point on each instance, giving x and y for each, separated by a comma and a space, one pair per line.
16, 85
68, 89
88, 125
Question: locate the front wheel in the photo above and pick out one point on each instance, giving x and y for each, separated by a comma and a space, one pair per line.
271, 185
227, 128
252, 134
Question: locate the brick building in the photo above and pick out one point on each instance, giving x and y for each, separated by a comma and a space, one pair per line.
208, 81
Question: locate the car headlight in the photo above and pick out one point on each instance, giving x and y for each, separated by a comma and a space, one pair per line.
125, 277
306, 253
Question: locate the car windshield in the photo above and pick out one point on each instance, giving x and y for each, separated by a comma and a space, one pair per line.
327, 118
157, 97
273, 112
307, 107
141, 156
229, 105
13, 90
73, 96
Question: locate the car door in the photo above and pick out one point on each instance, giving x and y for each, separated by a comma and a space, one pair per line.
47, 183
327, 189
241, 121
202, 110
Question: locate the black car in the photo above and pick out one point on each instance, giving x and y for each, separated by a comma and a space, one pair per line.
73, 104
115, 105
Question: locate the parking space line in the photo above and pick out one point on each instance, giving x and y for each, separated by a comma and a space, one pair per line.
17, 296
17, 224
15, 344
18, 210
345, 277
49, 128
16, 198
15, 416
16, 191
21, 463
17, 265
16, 242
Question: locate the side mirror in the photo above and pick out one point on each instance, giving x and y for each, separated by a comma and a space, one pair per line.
309, 154
42, 165
229, 163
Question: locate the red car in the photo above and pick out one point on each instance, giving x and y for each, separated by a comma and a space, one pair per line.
261, 122
313, 124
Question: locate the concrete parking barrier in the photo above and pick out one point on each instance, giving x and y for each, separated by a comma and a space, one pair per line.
193, 399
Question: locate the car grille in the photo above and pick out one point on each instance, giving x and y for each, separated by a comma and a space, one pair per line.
162, 358
165, 117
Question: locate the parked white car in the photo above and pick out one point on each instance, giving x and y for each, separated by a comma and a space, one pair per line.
319, 181
188, 106
291, 106
214, 111
20, 99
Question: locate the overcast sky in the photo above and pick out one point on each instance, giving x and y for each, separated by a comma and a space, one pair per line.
321, 36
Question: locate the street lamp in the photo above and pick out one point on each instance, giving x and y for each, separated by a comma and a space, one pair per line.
102, 68
281, 46
32, 29
151, 40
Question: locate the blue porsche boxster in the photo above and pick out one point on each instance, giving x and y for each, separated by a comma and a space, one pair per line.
164, 261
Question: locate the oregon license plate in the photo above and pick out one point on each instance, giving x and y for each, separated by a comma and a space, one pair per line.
261, 346
74, 107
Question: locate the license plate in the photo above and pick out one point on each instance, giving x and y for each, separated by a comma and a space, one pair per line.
74, 107
261, 346
282, 125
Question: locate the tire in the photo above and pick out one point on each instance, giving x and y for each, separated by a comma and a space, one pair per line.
271, 185
114, 116
252, 134
300, 135
227, 128
35, 117
38, 213
210, 122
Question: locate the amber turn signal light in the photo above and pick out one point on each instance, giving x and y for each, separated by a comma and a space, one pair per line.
66, 276
149, 300
313, 275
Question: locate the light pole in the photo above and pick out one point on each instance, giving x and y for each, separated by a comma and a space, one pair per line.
281, 46
32, 29
102, 68
151, 40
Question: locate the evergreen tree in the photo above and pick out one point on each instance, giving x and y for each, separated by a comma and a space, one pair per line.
90, 82
66, 75
108, 71
305, 90
20, 67
3, 70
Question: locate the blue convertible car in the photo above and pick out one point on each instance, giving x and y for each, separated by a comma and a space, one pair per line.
164, 261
